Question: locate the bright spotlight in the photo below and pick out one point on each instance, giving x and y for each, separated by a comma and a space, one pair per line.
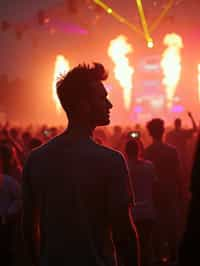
150, 44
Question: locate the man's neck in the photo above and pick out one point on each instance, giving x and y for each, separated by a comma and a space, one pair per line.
79, 130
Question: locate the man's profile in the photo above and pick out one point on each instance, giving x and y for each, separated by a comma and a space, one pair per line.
75, 192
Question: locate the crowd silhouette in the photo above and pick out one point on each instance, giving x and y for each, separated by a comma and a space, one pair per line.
96, 194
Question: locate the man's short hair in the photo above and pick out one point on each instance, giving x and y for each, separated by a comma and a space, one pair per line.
76, 84
132, 148
156, 127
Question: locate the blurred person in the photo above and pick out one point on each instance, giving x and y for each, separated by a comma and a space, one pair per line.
14, 133
34, 143
179, 137
17, 154
54, 131
76, 201
137, 136
143, 134
10, 205
116, 138
168, 195
16, 165
143, 177
189, 246
25, 138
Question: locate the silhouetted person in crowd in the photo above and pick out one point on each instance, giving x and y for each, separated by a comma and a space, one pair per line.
10, 206
189, 247
17, 151
26, 138
76, 205
117, 137
167, 192
143, 177
34, 143
180, 138
15, 169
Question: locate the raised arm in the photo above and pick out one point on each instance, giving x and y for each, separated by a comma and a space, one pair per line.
194, 125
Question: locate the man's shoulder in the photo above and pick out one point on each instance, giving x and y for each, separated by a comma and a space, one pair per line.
162, 147
59, 143
170, 134
109, 152
169, 147
46, 148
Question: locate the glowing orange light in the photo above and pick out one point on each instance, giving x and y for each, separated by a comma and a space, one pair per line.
198, 69
171, 64
61, 67
150, 44
118, 49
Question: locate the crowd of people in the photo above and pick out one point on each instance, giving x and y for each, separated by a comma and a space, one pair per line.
63, 192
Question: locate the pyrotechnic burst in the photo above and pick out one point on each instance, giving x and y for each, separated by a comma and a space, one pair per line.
61, 67
171, 64
118, 49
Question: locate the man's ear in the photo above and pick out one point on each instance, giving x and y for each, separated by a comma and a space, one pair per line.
84, 107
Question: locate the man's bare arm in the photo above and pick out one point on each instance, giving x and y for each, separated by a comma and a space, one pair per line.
194, 125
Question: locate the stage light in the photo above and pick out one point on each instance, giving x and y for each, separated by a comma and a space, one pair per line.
118, 17
150, 44
177, 109
109, 10
144, 22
